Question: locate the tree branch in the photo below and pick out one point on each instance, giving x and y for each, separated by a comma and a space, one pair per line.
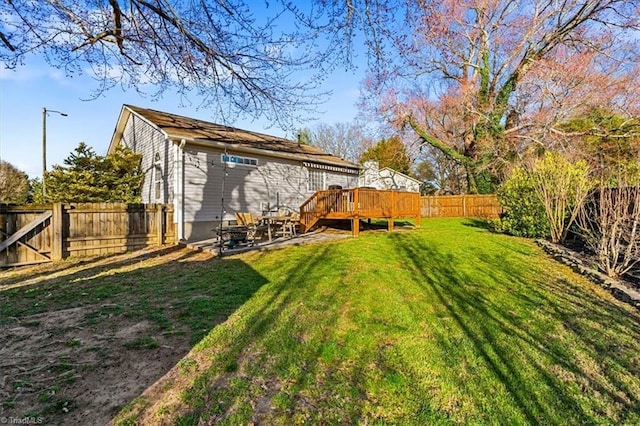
6, 42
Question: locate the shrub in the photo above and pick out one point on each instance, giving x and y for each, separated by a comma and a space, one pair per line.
561, 187
609, 222
524, 214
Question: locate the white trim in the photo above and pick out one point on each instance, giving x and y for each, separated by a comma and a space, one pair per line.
176, 191
263, 152
158, 180
179, 194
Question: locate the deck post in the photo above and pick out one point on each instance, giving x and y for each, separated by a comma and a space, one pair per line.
355, 226
355, 221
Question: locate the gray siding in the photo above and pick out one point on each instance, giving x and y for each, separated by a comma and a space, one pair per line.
143, 138
344, 180
274, 182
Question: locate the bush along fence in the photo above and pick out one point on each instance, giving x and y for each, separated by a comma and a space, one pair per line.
481, 206
43, 233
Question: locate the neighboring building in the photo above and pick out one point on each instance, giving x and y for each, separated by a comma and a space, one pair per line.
210, 172
385, 178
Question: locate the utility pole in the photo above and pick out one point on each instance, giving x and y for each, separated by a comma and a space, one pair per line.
45, 111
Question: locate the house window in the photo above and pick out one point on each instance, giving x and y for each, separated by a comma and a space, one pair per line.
157, 177
316, 180
158, 190
233, 160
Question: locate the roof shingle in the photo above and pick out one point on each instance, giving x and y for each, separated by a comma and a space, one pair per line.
177, 126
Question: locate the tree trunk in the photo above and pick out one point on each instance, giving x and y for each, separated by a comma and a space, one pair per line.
463, 159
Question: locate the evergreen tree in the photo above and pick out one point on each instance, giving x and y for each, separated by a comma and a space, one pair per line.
88, 177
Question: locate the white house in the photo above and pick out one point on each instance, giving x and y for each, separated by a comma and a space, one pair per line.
209, 171
385, 178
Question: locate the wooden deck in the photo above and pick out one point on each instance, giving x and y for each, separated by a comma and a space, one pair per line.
359, 203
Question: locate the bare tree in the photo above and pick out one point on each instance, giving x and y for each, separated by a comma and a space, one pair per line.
485, 81
233, 56
609, 222
345, 140
445, 174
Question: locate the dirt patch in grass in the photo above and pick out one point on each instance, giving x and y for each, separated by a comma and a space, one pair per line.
63, 372
81, 339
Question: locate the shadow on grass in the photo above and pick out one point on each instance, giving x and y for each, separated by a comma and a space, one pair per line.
109, 261
285, 358
541, 338
477, 223
181, 293
274, 323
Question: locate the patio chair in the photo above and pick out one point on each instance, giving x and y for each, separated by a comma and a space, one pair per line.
287, 225
255, 230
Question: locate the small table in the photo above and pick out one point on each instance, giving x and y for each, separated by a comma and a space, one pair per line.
267, 220
283, 224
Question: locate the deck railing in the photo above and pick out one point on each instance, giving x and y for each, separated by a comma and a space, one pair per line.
359, 203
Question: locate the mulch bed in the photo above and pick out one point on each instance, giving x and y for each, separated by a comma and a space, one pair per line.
626, 289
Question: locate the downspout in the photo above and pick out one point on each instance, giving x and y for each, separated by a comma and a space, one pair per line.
179, 189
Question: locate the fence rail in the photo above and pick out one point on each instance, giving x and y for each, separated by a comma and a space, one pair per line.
482, 206
359, 203
80, 229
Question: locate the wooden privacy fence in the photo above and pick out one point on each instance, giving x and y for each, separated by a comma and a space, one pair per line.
38, 234
483, 206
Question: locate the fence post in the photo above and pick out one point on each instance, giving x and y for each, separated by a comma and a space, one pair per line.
464, 205
57, 237
3, 220
393, 210
160, 223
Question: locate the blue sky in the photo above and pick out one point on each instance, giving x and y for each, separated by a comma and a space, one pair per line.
25, 91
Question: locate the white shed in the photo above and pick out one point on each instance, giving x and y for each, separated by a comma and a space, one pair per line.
385, 178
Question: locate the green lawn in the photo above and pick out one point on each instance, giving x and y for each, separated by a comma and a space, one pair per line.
445, 324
